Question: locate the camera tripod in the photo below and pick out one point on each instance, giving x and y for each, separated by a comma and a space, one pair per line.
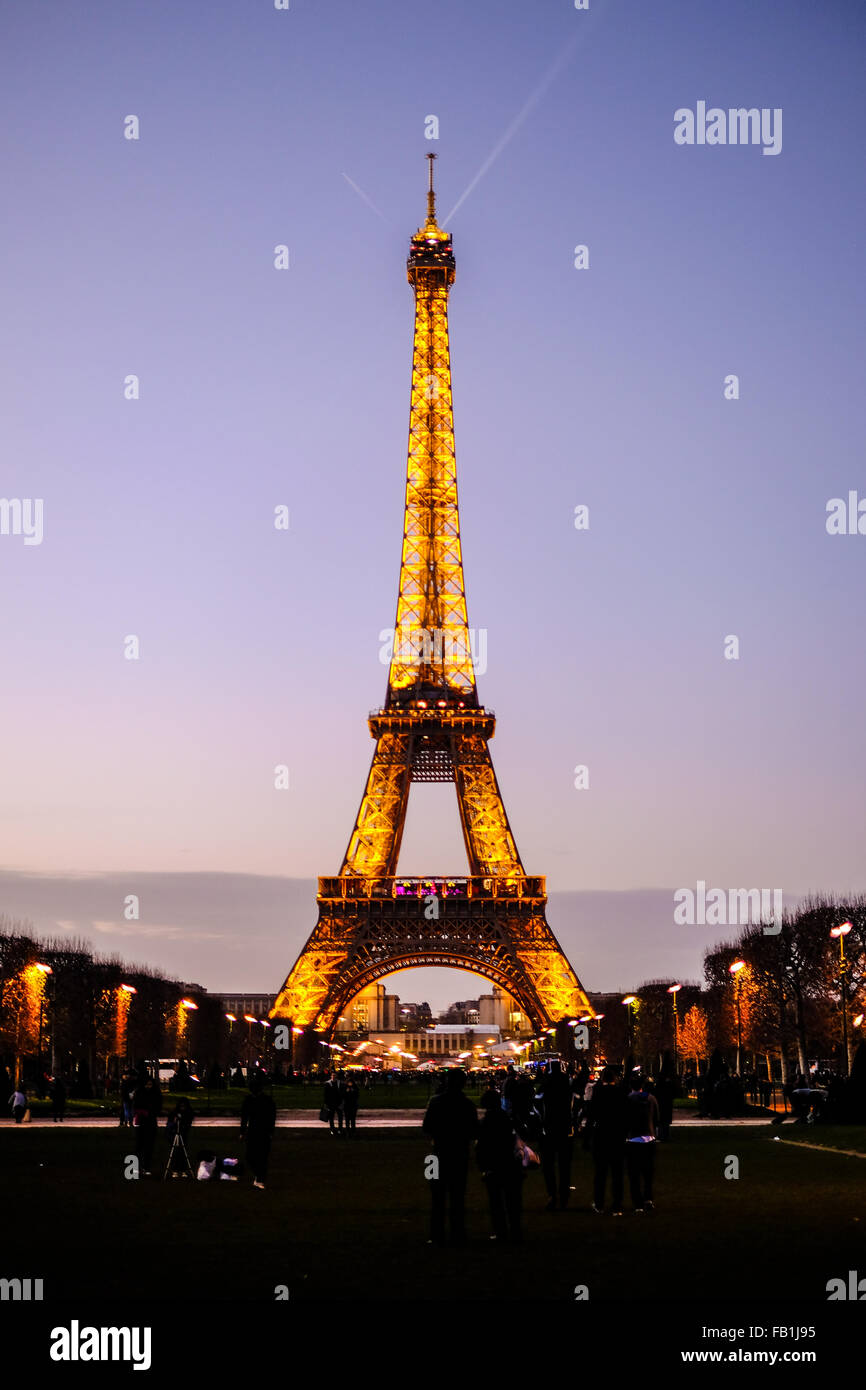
178, 1143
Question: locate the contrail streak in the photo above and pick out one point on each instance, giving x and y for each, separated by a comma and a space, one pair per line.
532, 101
361, 194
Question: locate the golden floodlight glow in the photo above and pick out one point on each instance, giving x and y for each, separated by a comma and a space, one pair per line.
673, 989
248, 1018
630, 999
46, 969
188, 1004
431, 727
737, 966
129, 989
843, 930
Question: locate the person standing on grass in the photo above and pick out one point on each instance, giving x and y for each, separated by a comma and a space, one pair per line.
451, 1123
608, 1116
555, 1098
128, 1088
351, 1097
58, 1100
666, 1090
501, 1168
640, 1146
146, 1110
335, 1094
18, 1101
258, 1122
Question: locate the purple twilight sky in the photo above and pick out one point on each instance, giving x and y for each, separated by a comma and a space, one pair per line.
602, 386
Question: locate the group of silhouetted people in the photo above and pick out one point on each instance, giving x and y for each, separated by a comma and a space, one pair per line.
527, 1124
340, 1104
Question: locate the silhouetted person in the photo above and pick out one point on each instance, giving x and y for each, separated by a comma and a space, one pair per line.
128, 1088
451, 1122
608, 1117
335, 1094
351, 1097
523, 1114
146, 1110
509, 1088
18, 1101
258, 1121
501, 1168
555, 1097
643, 1123
665, 1091
58, 1100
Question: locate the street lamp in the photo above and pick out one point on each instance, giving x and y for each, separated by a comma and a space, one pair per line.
735, 971
628, 1001
842, 931
124, 1001
43, 970
673, 989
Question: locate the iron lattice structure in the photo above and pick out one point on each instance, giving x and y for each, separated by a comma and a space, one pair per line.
431, 728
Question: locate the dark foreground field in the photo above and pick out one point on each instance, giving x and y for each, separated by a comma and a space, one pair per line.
343, 1220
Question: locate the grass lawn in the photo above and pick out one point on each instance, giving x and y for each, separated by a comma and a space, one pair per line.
410, 1096
342, 1220
841, 1137
229, 1102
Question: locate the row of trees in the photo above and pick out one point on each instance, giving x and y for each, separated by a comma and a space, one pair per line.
65, 1009
787, 1002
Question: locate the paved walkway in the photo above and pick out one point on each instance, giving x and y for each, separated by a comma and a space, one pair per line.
367, 1119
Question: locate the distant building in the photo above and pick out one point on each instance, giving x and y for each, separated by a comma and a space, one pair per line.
258, 1005
415, 1015
372, 1011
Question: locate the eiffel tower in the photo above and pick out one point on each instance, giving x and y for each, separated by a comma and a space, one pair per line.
431, 728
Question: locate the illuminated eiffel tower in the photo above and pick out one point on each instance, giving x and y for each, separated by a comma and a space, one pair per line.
431, 728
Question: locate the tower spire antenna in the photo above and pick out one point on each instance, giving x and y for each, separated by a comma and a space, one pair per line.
431, 196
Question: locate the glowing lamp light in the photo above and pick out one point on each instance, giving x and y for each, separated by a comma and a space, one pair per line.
188, 1004
231, 1018
297, 1030
737, 966
672, 989
129, 989
248, 1018
630, 999
45, 969
837, 931
858, 1020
